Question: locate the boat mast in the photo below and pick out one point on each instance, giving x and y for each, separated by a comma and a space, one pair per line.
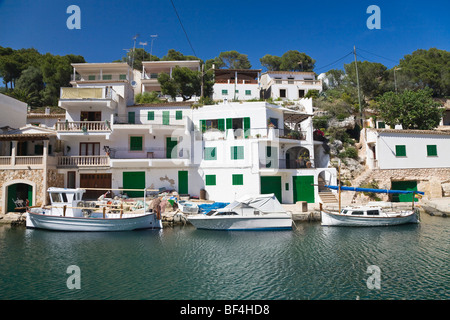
339, 184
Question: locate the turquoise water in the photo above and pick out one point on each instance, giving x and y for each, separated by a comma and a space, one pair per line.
309, 262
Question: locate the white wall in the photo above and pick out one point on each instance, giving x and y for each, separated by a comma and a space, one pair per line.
416, 150
14, 112
231, 87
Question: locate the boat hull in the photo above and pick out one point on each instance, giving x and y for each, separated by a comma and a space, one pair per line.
60, 223
241, 223
336, 219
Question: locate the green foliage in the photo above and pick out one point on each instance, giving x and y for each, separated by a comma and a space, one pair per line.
371, 185
291, 60
321, 122
147, 97
426, 68
349, 152
312, 94
411, 109
232, 60
373, 77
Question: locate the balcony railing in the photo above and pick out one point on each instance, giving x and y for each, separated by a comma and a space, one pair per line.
252, 133
82, 161
21, 160
99, 77
239, 81
68, 93
83, 126
296, 82
152, 119
271, 163
150, 153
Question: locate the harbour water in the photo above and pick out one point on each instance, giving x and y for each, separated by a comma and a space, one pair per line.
181, 263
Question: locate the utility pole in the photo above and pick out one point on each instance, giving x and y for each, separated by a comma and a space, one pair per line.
357, 83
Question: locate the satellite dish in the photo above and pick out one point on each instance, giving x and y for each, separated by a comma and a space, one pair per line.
133, 84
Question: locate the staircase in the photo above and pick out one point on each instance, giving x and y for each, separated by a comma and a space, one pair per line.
328, 197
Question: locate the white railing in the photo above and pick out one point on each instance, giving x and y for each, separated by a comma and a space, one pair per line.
21, 161
83, 126
5, 161
83, 161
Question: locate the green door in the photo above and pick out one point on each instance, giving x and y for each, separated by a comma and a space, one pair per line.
303, 188
183, 182
171, 148
134, 180
272, 185
131, 117
403, 185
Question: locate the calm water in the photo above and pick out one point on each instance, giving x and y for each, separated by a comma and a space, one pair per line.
310, 262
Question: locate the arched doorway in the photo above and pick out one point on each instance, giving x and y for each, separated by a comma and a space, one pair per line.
17, 195
297, 158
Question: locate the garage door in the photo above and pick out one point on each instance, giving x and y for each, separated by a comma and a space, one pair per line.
95, 180
272, 185
134, 180
303, 188
403, 185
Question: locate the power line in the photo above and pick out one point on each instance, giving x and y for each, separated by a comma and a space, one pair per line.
187, 37
335, 61
378, 55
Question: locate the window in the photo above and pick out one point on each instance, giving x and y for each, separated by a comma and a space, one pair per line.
373, 213
273, 121
301, 93
224, 92
107, 77
400, 151
166, 117
282, 93
131, 117
431, 151
237, 153
136, 143
89, 149
178, 115
210, 179
151, 115
381, 125
153, 76
122, 77
357, 213
91, 78
238, 179
210, 153
248, 92
286, 186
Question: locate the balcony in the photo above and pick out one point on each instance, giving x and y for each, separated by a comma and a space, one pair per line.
253, 133
99, 77
152, 157
25, 162
297, 82
239, 81
83, 126
270, 163
82, 161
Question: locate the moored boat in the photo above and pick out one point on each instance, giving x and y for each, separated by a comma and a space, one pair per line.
68, 212
187, 207
259, 212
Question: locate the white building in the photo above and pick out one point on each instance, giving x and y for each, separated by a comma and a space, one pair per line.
288, 85
236, 84
14, 112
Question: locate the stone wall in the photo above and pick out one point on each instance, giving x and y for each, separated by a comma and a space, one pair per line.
33, 177
433, 181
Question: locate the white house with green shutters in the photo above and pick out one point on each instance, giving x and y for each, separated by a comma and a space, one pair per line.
257, 147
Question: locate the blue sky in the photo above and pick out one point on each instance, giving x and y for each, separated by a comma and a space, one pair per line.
325, 30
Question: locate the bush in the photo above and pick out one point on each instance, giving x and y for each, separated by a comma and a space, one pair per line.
147, 97
349, 152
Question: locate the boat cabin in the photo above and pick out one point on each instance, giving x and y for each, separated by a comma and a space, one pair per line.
66, 201
362, 211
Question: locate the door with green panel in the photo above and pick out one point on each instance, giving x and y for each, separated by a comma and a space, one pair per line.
303, 188
134, 180
183, 182
272, 185
404, 185
171, 147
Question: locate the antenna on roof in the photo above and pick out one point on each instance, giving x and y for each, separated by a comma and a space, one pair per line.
134, 49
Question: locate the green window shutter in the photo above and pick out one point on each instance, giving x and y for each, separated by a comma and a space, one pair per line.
151, 115
400, 151
238, 179
246, 127
237, 153
221, 124
248, 92
178, 115
107, 77
224, 92
381, 125
203, 125
210, 179
210, 153
91, 77
135, 143
122, 77
166, 117
229, 123
131, 117
431, 150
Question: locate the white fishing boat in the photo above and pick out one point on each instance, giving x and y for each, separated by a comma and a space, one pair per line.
187, 207
370, 215
259, 212
68, 212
